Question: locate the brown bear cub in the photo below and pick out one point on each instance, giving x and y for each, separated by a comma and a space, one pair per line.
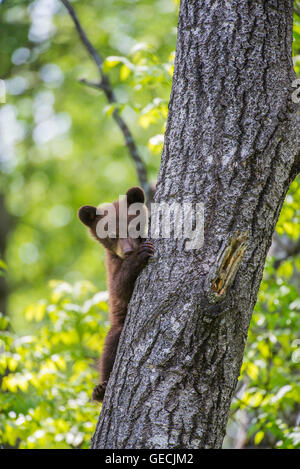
126, 255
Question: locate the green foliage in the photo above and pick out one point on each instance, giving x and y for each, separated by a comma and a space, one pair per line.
65, 149
289, 220
296, 44
3, 267
46, 378
269, 388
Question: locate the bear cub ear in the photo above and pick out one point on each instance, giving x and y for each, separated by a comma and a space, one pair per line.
134, 195
87, 214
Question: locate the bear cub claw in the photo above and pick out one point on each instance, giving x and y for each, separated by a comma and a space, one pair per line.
146, 249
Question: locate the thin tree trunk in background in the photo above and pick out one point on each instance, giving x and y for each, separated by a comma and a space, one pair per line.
231, 143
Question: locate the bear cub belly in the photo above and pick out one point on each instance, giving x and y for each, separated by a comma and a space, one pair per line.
126, 256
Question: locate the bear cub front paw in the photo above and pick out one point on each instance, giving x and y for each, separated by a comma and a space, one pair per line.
145, 250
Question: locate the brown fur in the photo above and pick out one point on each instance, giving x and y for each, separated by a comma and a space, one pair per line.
125, 258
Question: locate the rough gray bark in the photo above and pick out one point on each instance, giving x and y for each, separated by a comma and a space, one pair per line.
231, 142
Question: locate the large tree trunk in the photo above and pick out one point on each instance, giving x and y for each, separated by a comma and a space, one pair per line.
231, 143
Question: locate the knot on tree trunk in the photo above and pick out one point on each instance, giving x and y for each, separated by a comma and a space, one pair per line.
223, 273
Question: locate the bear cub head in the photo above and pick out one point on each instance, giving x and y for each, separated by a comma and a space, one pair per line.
120, 226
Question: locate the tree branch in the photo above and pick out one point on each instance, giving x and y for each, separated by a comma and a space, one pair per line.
105, 85
91, 84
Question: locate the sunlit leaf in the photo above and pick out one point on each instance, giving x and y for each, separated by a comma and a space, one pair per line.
258, 437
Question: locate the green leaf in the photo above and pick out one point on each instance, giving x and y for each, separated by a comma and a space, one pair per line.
258, 437
124, 72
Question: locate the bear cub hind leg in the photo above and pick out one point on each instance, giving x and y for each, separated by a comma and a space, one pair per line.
107, 361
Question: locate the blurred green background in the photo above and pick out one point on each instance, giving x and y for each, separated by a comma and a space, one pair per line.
59, 149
